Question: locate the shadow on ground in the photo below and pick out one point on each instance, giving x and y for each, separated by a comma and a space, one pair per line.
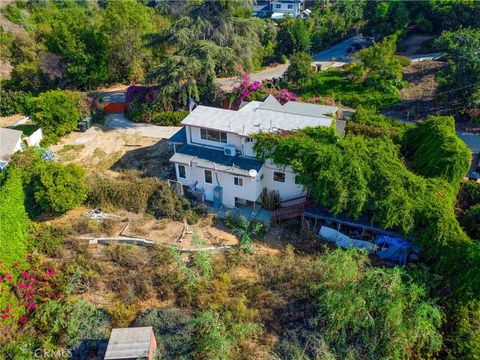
151, 160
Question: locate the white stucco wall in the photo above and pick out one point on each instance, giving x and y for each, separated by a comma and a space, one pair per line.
287, 189
250, 190
35, 138
283, 8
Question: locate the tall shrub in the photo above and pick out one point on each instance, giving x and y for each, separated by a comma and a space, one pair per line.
57, 112
436, 151
13, 219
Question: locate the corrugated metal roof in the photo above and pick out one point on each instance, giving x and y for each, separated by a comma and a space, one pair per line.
215, 160
260, 117
129, 343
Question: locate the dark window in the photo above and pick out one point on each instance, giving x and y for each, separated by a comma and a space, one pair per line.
212, 135
278, 6
278, 176
261, 177
181, 171
208, 177
238, 181
290, 6
297, 179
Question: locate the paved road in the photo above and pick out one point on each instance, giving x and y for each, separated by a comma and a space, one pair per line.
266, 74
113, 96
338, 53
472, 140
119, 121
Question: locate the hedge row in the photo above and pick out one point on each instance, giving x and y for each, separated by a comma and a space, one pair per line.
13, 219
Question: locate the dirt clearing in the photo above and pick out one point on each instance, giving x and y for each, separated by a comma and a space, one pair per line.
120, 144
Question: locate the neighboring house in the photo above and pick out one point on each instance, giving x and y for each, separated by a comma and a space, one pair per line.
10, 143
262, 9
131, 344
278, 9
214, 152
282, 8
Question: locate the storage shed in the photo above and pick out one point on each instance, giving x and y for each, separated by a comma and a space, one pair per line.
131, 343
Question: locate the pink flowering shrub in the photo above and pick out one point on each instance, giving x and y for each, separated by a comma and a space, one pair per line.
284, 96
145, 94
246, 90
23, 289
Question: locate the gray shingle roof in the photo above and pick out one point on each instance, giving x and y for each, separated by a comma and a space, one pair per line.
260, 117
215, 159
129, 343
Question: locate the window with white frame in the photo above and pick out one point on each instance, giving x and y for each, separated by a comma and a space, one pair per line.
290, 6
238, 181
213, 135
278, 6
278, 176
208, 177
181, 172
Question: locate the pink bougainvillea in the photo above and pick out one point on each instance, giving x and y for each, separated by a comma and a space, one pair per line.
146, 94
284, 96
23, 289
246, 89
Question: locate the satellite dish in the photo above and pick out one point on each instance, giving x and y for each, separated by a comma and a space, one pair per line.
252, 173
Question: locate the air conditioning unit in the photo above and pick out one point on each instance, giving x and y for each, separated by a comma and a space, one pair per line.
230, 150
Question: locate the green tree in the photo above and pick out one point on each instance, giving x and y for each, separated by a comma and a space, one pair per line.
436, 151
57, 112
382, 69
461, 80
300, 70
293, 36
470, 221
60, 188
387, 17
125, 25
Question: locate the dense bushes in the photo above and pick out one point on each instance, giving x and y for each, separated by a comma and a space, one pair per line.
357, 305
13, 219
436, 151
49, 187
371, 124
12, 102
173, 330
371, 178
334, 84
58, 113
168, 118
131, 192
60, 188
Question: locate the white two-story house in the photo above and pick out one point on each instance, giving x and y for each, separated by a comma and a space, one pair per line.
214, 151
282, 8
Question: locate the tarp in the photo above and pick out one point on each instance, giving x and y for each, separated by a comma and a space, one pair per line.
395, 249
345, 241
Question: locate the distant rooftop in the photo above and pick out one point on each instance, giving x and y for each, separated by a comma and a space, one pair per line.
129, 343
266, 116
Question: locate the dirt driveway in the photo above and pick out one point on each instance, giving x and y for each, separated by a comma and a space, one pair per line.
120, 144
